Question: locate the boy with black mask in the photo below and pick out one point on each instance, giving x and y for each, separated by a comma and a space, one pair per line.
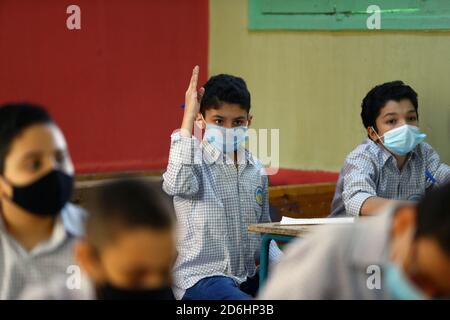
38, 225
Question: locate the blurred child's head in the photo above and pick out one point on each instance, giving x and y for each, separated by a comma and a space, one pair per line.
226, 102
129, 247
421, 243
389, 106
36, 171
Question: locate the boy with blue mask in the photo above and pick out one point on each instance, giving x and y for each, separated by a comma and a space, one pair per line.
218, 196
393, 163
403, 253
38, 224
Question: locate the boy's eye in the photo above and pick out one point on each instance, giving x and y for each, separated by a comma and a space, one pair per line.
218, 121
34, 164
392, 121
412, 119
238, 123
60, 157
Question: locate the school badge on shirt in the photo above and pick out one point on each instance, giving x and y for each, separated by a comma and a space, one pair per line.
259, 196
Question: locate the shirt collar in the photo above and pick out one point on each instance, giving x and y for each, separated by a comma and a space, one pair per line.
385, 155
57, 238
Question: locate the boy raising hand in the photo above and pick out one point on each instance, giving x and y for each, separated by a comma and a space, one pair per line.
218, 196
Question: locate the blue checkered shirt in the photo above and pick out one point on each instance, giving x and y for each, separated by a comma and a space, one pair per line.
371, 171
215, 202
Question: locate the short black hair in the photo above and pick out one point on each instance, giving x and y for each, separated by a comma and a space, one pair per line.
378, 96
433, 217
14, 119
126, 204
225, 88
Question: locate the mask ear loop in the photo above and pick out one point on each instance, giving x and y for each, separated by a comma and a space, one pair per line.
204, 121
379, 138
202, 127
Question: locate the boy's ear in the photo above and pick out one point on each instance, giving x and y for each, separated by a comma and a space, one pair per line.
404, 219
402, 233
88, 260
372, 134
5, 189
250, 118
199, 121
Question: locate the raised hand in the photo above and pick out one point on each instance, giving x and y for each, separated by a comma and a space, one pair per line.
192, 103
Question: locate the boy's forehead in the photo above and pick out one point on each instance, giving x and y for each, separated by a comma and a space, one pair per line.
40, 137
398, 107
141, 243
227, 110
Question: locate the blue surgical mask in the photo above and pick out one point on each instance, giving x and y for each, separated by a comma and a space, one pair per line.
225, 139
403, 139
397, 284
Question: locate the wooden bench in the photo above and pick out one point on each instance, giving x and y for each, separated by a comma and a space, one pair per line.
85, 184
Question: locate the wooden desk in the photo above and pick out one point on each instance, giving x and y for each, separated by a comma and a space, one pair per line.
282, 230
275, 231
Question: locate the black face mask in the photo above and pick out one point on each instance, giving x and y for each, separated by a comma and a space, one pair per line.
111, 292
46, 196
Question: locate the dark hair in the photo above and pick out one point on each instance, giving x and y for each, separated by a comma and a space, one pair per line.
225, 88
377, 98
14, 119
126, 204
433, 218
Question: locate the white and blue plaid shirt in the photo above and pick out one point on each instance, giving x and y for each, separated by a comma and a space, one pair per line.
215, 201
371, 171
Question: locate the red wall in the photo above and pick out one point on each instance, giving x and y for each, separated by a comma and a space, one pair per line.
115, 86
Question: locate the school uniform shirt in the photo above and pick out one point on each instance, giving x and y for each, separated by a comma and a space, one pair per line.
371, 171
20, 268
344, 261
215, 202
58, 289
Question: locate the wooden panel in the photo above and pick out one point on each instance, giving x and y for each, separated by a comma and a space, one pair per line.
302, 201
295, 201
85, 185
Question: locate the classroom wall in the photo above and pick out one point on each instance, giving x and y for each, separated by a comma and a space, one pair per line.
116, 86
310, 84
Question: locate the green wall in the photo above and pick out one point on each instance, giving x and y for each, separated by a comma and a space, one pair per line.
310, 84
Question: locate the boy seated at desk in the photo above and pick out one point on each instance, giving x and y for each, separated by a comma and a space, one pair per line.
217, 196
393, 163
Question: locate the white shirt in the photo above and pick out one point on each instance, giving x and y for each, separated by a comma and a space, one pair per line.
20, 268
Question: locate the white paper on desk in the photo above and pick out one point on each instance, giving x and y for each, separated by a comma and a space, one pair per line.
287, 220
